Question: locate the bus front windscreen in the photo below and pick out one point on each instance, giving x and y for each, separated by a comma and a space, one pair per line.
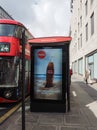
7, 29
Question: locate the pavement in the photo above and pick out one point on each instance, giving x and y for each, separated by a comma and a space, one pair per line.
81, 116
80, 78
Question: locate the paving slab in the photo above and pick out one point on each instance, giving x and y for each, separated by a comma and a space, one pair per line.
80, 116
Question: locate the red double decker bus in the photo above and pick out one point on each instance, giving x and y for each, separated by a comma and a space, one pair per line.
10, 60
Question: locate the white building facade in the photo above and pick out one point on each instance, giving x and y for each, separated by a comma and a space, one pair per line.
83, 47
4, 14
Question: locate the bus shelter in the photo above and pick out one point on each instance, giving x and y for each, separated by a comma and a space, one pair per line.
50, 75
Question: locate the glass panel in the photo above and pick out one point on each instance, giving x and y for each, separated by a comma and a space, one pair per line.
8, 71
90, 59
91, 67
48, 73
18, 32
95, 65
80, 65
7, 30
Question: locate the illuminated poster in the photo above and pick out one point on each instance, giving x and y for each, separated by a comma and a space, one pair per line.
48, 73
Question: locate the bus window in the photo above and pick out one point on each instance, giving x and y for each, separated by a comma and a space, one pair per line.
18, 32
7, 29
8, 71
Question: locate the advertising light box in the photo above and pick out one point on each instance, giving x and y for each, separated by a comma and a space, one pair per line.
49, 77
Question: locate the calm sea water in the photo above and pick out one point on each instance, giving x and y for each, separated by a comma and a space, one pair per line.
43, 76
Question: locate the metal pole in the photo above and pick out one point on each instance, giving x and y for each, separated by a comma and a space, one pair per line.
68, 87
23, 80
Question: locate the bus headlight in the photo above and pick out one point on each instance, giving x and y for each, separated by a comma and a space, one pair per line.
7, 94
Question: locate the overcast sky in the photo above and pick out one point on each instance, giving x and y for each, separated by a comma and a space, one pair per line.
41, 17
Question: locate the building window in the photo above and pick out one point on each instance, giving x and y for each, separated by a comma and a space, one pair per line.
80, 40
78, 27
80, 66
81, 4
75, 66
92, 1
78, 43
95, 65
91, 61
87, 32
86, 7
90, 65
81, 21
92, 23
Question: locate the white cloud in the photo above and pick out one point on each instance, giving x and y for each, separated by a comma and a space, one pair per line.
42, 17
